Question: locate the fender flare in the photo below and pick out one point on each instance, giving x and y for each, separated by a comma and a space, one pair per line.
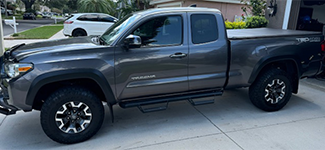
271, 59
61, 75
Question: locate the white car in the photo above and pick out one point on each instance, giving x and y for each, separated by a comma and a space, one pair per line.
86, 24
9, 12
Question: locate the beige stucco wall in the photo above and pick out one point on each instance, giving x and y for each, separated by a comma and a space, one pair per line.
277, 20
229, 10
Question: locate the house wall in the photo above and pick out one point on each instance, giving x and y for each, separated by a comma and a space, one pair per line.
277, 20
229, 10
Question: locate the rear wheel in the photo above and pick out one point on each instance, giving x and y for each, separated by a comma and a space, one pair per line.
272, 90
72, 115
79, 32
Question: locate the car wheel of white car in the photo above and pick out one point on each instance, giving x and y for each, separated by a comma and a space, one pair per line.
79, 32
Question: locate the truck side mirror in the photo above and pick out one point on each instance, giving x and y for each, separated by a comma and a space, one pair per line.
133, 41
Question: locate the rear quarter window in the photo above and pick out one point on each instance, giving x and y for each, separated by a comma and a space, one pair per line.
106, 18
204, 28
88, 18
69, 17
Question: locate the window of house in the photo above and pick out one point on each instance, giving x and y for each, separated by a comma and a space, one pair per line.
204, 28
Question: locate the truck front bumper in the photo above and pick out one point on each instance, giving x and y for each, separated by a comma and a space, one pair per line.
5, 108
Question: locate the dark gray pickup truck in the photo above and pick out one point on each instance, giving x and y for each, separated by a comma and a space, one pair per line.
153, 57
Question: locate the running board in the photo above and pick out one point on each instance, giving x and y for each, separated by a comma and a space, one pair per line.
144, 107
151, 108
197, 102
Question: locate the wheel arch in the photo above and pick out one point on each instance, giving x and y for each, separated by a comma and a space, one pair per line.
94, 77
79, 28
286, 63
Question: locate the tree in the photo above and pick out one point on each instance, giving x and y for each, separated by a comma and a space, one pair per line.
28, 4
72, 5
256, 7
59, 4
118, 9
20, 4
143, 4
126, 8
112, 9
98, 6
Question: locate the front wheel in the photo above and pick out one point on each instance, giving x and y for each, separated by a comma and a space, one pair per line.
72, 115
272, 90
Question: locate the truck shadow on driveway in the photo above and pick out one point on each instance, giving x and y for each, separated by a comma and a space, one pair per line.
230, 113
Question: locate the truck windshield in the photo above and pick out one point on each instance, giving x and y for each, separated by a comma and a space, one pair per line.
113, 32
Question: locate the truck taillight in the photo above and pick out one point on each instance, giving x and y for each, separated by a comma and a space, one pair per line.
323, 46
68, 22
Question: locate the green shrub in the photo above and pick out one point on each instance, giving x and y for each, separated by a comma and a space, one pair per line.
256, 22
19, 12
228, 25
235, 25
15, 35
39, 16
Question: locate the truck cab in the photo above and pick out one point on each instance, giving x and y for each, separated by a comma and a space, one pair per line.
179, 52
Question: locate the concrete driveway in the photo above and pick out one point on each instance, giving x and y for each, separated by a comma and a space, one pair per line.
231, 123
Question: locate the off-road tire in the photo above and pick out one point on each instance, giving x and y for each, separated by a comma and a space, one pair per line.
54, 104
79, 32
259, 91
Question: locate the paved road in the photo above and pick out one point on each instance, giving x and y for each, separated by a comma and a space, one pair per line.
25, 25
231, 123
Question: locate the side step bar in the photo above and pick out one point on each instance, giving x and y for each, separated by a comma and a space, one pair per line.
151, 108
196, 102
143, 104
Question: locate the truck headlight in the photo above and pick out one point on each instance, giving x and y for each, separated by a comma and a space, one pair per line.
17, 69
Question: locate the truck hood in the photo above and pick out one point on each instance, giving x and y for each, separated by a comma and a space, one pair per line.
53, 46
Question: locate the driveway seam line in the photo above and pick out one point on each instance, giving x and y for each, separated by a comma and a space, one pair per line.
3, 120
283, 123
219, 128
172, 141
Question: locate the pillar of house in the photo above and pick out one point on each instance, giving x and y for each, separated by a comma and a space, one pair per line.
1, 37
294, 14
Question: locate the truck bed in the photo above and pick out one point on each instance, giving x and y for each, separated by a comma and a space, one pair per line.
237, 34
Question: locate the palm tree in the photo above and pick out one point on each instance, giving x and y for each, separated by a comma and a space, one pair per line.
126, 7
118, 9
98, 6
112, 9
146, 3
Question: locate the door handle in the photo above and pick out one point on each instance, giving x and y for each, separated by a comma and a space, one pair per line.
178, 55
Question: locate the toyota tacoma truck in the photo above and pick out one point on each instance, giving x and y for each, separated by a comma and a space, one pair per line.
151, 58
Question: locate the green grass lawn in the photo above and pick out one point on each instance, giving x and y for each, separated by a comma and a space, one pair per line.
18, 17
43, 32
